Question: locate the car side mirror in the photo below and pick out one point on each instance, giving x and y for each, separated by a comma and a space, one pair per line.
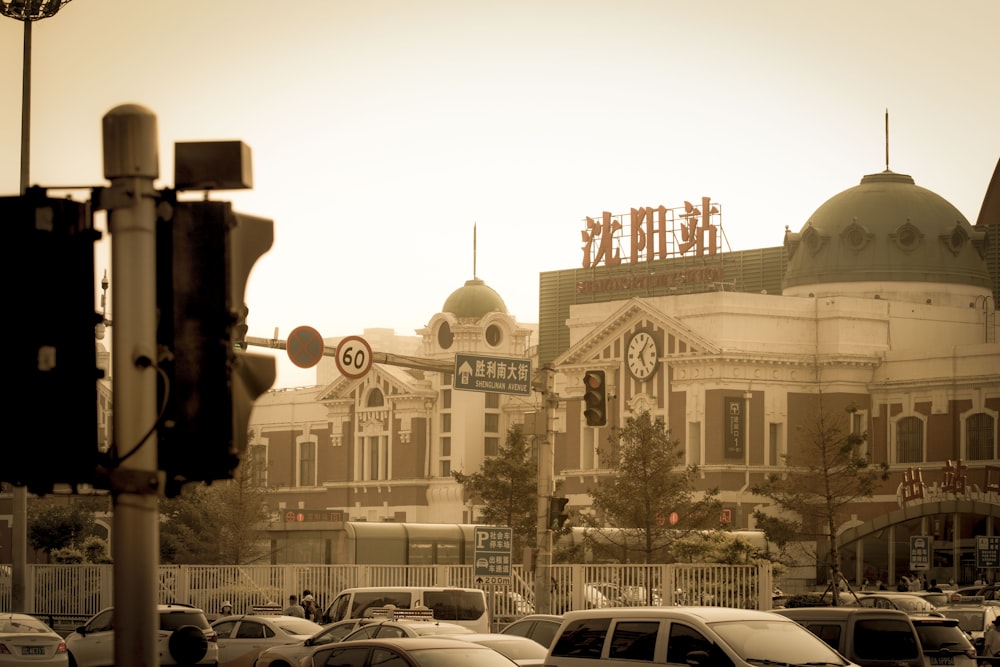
697, 659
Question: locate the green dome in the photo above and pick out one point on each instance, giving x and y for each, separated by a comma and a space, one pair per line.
887, 229
475, 299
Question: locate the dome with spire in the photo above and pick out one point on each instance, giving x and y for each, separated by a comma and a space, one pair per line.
883, 233
474, 300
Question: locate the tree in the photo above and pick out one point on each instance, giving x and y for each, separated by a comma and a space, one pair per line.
505, 489
649, 483
217, 524
828, 471
55, 523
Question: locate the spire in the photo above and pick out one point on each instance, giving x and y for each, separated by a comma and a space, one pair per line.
887, 138
474, 251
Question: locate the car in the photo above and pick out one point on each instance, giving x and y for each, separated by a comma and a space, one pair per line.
407, 623
540, 628
509, 604
289, 655
824, 599
465, 606
943, 642
935, 598
973, 619
908, 602
697, 636
525, 652
243, 637
406, 652
184, 638
25, 639
866, 636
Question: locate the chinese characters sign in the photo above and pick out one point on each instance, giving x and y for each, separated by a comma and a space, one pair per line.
735, 427
492, 374
652, 233
492, 554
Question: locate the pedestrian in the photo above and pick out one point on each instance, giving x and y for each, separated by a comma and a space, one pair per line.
903, 585
991, 640
934, 588
226, 609
311, 611
294, 608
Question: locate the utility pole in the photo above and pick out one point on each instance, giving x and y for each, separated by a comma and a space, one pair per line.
131, 163
545, 383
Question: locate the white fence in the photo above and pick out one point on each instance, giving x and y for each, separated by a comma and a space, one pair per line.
79, 591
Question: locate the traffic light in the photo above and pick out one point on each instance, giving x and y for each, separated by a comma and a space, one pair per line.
48, 258
557, 513
595, 398
205, 252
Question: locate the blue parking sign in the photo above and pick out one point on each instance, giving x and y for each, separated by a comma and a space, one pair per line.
920, 552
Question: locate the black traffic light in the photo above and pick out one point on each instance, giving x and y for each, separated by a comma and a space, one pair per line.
205, 252
595, 398
557, 513
48, 258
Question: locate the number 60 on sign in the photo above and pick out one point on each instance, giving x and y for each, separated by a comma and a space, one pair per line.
354, 357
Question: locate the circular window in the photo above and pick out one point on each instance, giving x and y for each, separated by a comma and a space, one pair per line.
445, 336
494, 334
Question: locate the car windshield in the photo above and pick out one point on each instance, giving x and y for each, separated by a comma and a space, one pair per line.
170, 621
299, 626
15, 625
970, 621
459, 657
934, 637
764, 641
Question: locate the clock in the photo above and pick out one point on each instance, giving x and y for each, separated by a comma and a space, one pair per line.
642, 355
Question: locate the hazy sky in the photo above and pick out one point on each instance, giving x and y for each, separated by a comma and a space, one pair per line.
383, 131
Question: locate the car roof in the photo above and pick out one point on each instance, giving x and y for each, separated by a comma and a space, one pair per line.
408, 643
934, 620
498, 636
707, 614
539, 617
815, 612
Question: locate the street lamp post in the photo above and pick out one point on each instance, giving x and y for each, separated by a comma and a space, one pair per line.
26, 11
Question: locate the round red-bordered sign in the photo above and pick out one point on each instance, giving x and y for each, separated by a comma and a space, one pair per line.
354, 357
304, 347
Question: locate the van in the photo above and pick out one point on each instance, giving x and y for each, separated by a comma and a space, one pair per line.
868, 637
463, 606
696, 636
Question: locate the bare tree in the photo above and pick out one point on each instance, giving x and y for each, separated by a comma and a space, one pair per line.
826, 470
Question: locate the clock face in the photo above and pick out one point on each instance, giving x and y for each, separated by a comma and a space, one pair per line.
642, 355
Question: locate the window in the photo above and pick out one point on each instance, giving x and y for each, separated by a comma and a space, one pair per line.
491, 422
492, 400
491, 446
828, 632
773, 444
909, 440
979, 430
684, 640
634, 640
307, 464
446, 422
375, 399
885, 640
446, 399
445, 446
257, 460
583, 638
859, 430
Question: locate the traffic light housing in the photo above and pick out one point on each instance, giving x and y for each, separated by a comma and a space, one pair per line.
205, 252
557, 513
595, 398
48, 258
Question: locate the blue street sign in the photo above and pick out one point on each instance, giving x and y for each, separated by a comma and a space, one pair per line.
492, 554
474, 372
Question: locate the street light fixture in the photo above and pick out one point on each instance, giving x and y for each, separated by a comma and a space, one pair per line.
28, 11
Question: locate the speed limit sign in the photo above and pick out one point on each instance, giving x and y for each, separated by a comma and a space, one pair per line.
354, 357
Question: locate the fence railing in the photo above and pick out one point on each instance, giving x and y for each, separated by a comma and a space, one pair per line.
79, 591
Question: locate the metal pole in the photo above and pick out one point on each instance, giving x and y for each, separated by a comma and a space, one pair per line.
131, 164
543, 535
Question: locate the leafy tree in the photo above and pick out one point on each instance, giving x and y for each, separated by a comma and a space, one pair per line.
827, 471
216, 524
505, 488
54, 523
649, 480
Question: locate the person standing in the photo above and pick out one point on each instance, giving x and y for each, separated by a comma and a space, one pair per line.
991, 640
294, 608
312, 612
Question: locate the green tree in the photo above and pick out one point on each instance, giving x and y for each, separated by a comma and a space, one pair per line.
828, 471
58, 523
649, 482
217, 524
505, 489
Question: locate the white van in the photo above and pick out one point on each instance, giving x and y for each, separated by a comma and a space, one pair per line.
463, 606
695, 636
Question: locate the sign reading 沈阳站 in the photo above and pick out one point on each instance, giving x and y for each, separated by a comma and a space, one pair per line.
653, 233
502, 375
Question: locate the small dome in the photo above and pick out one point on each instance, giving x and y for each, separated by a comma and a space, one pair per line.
474, 300
887, 229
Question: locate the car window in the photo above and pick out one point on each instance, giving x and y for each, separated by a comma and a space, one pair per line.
389, 631
885, 639
934, 637
383, 657
634, 640
251, 630
363, 601
828, 632
224, 629
170, 621
103, 622
519, 628
345, 656
583, 638
685, 639
455, 605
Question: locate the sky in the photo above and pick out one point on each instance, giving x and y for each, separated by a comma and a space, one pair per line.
403, 147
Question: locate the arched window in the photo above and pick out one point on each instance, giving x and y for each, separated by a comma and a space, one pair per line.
909, 440
375, 399
979, 437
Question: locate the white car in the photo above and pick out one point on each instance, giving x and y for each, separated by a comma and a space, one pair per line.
26, 640
289, 655
184, 638
243, 637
